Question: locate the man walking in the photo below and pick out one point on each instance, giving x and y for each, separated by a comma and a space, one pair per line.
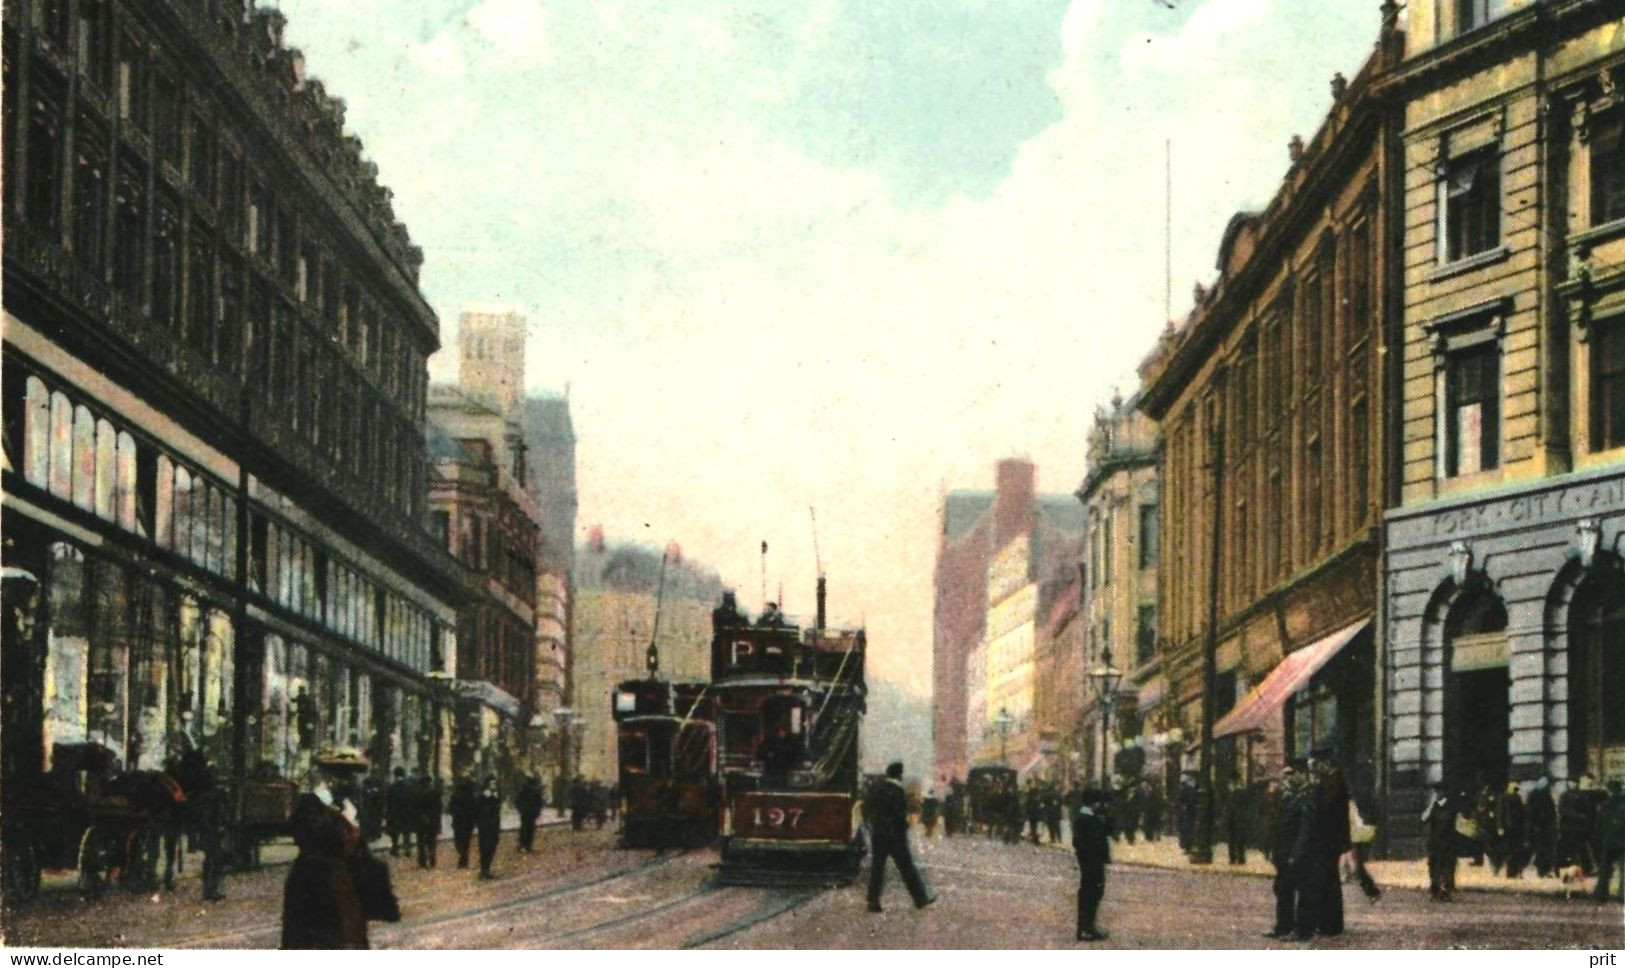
885, 809
1541, 819
1091, 843
464, 808
426, 811
529, 803
488, 816
1440, 818
1286, 818
401, 815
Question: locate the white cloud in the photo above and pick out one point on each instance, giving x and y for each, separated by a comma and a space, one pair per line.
515, 27
439, 56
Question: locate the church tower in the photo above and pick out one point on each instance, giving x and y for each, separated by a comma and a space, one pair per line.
493, 360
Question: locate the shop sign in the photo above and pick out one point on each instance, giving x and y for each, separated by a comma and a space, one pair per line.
1470, 653
1532, 509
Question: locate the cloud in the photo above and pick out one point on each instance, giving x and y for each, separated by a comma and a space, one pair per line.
439, 56
515, 27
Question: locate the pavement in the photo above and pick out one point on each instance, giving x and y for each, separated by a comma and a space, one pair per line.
1165, 854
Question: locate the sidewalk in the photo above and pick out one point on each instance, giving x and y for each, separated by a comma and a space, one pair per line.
1165, 853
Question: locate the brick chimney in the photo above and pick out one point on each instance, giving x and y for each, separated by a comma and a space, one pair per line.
1015, 490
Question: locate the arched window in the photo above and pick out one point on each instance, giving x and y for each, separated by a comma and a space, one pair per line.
60, 477
1477, 693
1597, 669
106, 469
37, 434
84, 458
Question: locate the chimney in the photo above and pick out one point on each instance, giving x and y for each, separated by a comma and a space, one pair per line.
821, 593
1013, 499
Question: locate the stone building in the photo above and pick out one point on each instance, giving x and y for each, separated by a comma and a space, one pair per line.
549, 437
1271, 398
1504, 613
491, 364
481, 511
617, 588
214, 379
1121, 542
1003, 558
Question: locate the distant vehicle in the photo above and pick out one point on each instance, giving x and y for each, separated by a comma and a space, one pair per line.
668, 763
991, 791
790, 704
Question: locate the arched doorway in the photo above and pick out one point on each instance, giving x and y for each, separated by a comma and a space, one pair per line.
1477, 688
1597, 673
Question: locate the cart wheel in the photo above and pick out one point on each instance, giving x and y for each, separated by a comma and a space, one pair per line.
96, 850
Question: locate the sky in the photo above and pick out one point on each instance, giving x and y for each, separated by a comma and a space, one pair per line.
817, 261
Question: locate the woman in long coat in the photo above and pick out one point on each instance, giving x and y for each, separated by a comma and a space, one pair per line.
320, 905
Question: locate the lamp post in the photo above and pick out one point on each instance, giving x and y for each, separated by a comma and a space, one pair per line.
1004, 721
1106, 678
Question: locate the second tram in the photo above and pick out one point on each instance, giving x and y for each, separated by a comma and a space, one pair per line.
666, 735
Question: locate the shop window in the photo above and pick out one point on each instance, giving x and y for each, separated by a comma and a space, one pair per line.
1470, 204
1608, 384
1472, 419
1312, 717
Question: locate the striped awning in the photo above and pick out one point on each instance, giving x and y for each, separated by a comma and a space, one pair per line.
1292, 674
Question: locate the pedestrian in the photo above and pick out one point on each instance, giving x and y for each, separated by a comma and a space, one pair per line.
1440, 818
320, 905
885, 811
1332, 809
1541, 819
1052, 813
953, 811
928, 812
1091, 843
1285, 818
1611, 837
427, 812
1132, 800
1236, 814
1361, 835
402, 814
580, 802
489, 818
1186, 813
1034, 810
374, 806
464, 808
529, 804
1153, 807
1511, 819
600, 804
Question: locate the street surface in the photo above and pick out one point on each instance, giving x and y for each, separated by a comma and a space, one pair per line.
580, 891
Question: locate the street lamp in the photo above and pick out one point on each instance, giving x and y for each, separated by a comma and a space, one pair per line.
1106, 679
1004, 721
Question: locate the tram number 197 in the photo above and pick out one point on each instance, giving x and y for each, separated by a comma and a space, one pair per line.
789, 818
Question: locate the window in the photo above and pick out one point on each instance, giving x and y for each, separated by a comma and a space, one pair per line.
131, 75
166, 264
1145, 635
93, 45
1311, 314
440, 527
168, 125
200, 291
44, 181
1608, 168
89, 195
1106, 547
1150, 534
1608, 384
1359, 463
1470, 204
1473, 409
200, 159
129, 266
1472, 14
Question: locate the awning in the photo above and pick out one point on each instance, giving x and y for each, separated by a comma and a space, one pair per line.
1285, 679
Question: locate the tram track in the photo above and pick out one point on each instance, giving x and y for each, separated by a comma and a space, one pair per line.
274, 928
752, 920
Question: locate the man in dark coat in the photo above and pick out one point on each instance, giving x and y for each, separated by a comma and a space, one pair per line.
1611, 838
464, 808
488, 816
1284, 819
1540, 818
1034, 810
1186, 812
1333, 840
953, 811
885, 810
529, 804
1091, 842
1238, 811
401, 814
426, 813
1052, 814
580, 802
930, 808
1152, 806
1511, 832
1440, 818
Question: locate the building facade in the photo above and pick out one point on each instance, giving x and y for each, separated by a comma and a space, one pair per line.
213, 402
491, 361
549, 437
618, 589
1506, 595
1121, 543
1004, 557
1270, 399
479, 508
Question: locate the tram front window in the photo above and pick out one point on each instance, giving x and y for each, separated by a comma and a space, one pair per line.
634, 751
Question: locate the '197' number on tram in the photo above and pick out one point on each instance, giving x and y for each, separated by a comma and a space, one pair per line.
778, 817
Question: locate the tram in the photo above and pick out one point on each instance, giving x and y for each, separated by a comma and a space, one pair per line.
790, 704
666, 735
